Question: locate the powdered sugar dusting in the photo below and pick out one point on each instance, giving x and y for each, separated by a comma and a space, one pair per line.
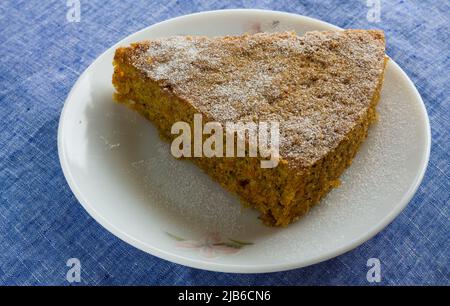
317, 86
205, 207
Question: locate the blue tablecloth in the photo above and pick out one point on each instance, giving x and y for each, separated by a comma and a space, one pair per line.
41, 223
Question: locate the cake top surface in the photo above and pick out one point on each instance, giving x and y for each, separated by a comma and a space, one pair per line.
316, 86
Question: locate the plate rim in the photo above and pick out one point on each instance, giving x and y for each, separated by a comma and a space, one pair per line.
236, 268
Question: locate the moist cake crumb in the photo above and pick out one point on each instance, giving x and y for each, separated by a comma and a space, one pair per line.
322, 88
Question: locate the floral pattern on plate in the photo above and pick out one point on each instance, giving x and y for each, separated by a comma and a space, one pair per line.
211, 245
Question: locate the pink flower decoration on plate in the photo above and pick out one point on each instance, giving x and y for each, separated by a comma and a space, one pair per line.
211, 245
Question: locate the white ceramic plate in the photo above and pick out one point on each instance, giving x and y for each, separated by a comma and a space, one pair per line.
126, 178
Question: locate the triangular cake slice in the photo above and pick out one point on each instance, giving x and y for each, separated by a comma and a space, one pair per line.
322, 88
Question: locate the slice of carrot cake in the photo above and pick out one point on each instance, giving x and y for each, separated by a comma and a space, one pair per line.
322, 89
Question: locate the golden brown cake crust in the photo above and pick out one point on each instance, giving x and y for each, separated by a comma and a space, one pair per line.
322, 88
317, 86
